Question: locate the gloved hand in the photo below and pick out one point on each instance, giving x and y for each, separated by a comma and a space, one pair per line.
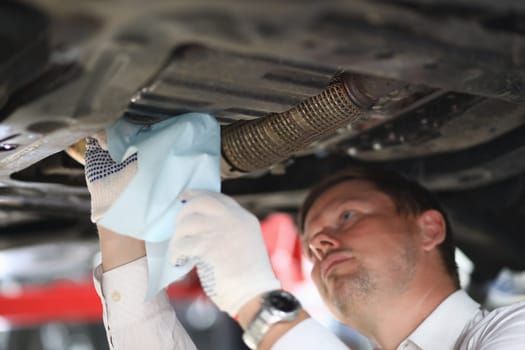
105, 178
226, 241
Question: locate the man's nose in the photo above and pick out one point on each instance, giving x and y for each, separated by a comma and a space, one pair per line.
322, 242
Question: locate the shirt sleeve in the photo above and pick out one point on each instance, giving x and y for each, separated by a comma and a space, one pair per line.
130, 321
502, 329
309, 335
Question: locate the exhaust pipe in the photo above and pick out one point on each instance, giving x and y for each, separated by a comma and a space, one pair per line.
248, 146
258, 144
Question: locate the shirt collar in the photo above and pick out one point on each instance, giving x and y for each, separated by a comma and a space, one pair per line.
442, 328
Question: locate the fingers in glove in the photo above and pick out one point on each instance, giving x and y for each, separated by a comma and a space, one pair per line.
194, 224
100, 165
100, 138
194, 236
92, 144
185, 248
205, 203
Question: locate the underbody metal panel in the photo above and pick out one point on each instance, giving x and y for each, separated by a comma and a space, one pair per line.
458, 127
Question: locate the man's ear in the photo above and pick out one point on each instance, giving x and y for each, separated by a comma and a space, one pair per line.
432, 228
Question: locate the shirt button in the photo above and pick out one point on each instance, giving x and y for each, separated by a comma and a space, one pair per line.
115, 296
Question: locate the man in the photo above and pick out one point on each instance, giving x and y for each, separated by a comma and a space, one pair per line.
383, 261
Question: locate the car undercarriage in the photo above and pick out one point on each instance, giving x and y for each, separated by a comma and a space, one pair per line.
453, 117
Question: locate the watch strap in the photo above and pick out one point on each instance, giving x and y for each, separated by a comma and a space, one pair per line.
256, 330
267, 316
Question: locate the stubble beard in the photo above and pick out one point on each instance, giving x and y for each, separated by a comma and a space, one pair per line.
353, 291
348, 291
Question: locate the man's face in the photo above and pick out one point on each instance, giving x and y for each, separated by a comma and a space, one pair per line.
361, 248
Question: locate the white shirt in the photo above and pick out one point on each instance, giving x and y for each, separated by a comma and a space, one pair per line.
132, 323
457, 323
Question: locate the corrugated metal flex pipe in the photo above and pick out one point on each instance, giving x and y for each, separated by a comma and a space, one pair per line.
258, 144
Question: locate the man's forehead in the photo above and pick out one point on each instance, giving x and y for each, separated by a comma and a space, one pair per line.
348, 190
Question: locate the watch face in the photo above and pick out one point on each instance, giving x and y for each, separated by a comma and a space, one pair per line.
283, 301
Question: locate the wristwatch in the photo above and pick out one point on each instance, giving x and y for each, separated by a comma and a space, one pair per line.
277, 306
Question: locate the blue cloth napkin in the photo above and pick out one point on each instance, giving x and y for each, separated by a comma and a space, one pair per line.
176, 154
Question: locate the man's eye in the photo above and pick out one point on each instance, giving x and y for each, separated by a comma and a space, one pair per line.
346, 215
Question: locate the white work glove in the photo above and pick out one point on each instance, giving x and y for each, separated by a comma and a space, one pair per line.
227, 243
106, 179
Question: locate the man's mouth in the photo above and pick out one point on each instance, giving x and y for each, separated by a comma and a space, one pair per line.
332, 260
